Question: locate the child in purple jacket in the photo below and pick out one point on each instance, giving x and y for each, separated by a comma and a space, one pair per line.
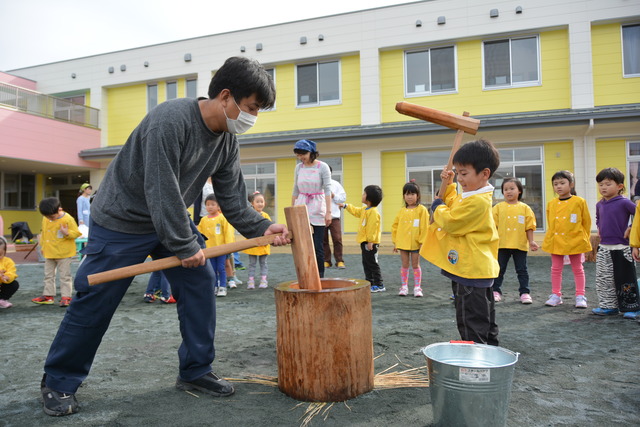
616, 281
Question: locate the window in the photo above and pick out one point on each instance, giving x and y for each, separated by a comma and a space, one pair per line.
524, 164
272, 73
425, 167
262, 177
192, 89
172, 90
511, 62
152, 96
318, 84
631, 50
633, 166
430, 71
19, 191
70, 108
336, 167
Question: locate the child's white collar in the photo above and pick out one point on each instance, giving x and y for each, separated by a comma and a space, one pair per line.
487, 188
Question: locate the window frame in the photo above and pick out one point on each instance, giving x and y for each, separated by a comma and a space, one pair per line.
21, 205
622, 46
186, 88
267, 69
319, 103
273, 211
149, 86
633, 165
430, 92
512, 85
174, 85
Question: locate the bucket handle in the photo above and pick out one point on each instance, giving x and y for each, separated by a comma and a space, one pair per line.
461, 342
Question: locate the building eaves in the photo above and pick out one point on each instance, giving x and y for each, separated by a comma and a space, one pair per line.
568, 117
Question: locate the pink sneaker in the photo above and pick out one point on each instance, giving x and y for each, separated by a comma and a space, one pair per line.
404, 291
526, 299
5, 304
497, 296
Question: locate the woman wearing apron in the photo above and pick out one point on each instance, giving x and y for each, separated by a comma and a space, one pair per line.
312, 187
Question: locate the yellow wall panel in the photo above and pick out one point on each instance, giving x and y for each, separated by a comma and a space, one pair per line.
557, 156
352, 183
394, 176
612, 154
33, 218
610, 87
287, 116
126, 107
553, 93
284, 185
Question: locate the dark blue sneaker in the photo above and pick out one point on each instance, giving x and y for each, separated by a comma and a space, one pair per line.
632, 315
605, 311
56, 403
380, 288
210, 384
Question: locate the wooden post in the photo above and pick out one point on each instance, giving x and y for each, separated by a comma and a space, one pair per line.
304, 253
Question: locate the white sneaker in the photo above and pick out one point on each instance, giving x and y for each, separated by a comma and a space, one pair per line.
554, 300
251, 284
236, 280
263, 284
581, 301
222, 292
417, 292
404, 291
231, 284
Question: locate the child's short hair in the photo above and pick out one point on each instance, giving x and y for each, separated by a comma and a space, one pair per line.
253, 196
518, 184
411, 187
565, 174
480, 154
210, 198
3, 245
374, 194
49, 206
614, 174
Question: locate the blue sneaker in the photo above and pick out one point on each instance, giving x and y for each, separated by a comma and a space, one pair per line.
605, 311
377, 289
632, 315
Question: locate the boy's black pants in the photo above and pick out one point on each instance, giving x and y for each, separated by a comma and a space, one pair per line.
370, 264
475, 314
8, 289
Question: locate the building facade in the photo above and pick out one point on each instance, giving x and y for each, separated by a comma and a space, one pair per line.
556, 85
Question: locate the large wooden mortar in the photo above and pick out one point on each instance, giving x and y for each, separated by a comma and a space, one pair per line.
324, 340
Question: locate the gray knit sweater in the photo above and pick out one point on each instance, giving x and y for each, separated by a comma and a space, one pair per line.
161, 170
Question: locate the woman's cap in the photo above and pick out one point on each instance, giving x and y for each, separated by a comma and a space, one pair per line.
84, 186
306, 145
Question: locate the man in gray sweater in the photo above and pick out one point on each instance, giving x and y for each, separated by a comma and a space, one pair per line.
141, 209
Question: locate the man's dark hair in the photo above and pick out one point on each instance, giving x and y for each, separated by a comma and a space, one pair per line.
374, 194
49, 206
210, 198
480, 154
244, 77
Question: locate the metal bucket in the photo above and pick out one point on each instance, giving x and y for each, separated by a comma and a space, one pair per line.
470, 383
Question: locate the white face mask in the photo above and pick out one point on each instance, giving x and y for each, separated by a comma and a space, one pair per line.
243, 123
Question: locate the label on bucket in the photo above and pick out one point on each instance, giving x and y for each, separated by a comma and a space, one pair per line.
473, 375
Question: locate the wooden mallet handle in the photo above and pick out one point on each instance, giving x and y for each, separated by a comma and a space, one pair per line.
173, 261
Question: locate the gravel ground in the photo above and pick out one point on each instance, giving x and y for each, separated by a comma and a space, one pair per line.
575, 369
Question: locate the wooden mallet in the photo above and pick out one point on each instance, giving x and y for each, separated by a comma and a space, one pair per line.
461, 124
302, 247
